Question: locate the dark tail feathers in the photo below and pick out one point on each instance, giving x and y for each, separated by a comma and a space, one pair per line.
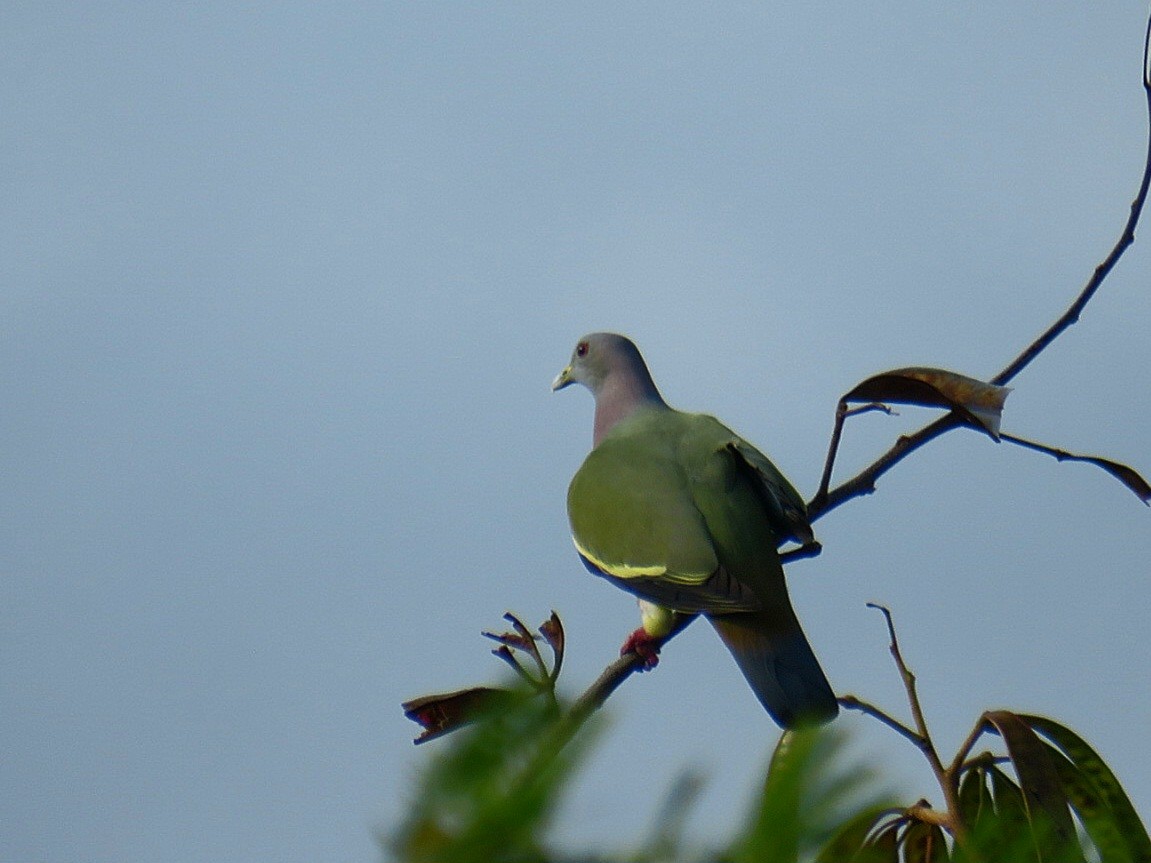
780, 667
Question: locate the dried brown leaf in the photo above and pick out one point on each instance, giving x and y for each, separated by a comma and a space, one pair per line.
978, 402
553, 632
445, 712
1126, 475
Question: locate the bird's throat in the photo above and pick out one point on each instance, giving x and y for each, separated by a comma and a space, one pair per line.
617, 401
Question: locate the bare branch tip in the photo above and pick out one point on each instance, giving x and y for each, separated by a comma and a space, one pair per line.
1147, 58
887, 615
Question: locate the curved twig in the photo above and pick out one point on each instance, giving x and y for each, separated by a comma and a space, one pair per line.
1126, 238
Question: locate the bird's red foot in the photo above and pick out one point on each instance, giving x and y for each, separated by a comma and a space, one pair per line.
645, 646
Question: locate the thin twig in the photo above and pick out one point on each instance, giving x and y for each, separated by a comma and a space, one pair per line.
829, 462
960, 761
842, 412
850, 702
908, 678
1124, 473
870, 407
948, 782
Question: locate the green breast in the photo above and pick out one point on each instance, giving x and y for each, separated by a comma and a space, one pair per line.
631, 507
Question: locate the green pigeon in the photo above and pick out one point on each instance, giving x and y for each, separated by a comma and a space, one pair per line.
684, 513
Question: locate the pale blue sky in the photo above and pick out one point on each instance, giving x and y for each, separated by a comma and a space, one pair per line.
283, 286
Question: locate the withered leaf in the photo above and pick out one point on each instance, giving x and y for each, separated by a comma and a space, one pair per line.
1126, 475
511, 639
553, 632
978, 402
445, 712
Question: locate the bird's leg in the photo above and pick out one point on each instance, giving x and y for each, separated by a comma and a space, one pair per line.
643, 645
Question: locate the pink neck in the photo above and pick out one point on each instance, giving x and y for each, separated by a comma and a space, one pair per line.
618, 400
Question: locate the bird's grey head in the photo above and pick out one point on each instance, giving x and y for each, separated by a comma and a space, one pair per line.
600, 358
612, 368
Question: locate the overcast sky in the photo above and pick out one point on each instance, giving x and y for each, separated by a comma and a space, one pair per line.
283, 286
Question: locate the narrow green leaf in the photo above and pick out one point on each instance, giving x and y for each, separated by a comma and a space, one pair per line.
924, 843
883, 847
807, 797
774, 831
1089, 763
491, 792
849, 844
670, 821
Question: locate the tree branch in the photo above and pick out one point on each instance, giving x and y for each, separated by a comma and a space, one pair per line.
595, 695
946, 776
1121, 472
850, 702
864, 482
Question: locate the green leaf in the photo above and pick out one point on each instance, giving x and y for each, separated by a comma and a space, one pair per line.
805, 798
849, 844
884, 847
775, 828
1012, 828
667, 836
924, 843
1093, 767
975, 808
489, 795
1096, 816
1043, 796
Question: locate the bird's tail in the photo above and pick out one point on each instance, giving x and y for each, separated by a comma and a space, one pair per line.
780, 667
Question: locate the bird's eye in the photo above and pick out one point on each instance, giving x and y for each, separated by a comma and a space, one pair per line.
581, 349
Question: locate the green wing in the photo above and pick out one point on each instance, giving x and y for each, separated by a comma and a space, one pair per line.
660, 504
786, 509
632, 514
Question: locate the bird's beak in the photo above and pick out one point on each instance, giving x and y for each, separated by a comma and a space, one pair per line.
562, 379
